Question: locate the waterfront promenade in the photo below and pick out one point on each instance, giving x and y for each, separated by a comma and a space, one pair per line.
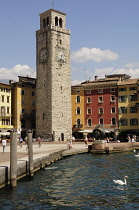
45, 149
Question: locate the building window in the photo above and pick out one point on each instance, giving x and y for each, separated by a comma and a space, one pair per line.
122, 110
112, 90
123, 122
2, 98
122, 89
132, 88
8, 99
33, 112
89, 122
100, 90
23, 111
88, 99
8, 110
33, 124
33, 102
32, 93
122, 98
133, 109
100, 99
112, 98
113, 110
134, 121
89, 111
77, 91
78, 110
2, 110
133, 97
101, 111
5, 121
78, 99
101, 121
22, 92
113, 121
23, 101
88, 91
78, 122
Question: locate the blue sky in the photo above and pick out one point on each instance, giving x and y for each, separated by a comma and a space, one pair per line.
104, 37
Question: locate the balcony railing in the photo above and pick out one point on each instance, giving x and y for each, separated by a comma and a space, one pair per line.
5, 115
78, 126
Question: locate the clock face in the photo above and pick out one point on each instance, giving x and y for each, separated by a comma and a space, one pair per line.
61, 55
43, 55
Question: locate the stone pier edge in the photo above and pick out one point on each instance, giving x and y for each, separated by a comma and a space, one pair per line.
39, 161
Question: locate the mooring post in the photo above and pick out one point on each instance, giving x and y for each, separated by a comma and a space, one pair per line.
30, 154
13, 158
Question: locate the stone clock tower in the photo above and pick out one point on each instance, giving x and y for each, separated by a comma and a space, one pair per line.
53, 90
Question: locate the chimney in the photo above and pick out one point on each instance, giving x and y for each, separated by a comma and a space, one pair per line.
96, 77
11, 82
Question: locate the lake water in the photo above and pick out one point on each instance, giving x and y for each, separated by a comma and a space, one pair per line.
78, 182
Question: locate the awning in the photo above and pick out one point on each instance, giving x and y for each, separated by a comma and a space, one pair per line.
86, 131
4, 133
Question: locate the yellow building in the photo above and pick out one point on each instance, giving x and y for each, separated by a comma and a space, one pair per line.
128, 104
77, 94
5, 109
23, 105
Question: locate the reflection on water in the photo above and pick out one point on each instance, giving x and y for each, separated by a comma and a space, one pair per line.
79, 182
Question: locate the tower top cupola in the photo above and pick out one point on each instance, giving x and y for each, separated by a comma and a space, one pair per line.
53, 18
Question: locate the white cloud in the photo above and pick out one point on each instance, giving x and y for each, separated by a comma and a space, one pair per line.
132, 65
15, 71
129, 69
93, 54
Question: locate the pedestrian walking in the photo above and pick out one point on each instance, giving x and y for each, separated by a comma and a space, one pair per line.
26, 142
20, 142
4, 144
39, 141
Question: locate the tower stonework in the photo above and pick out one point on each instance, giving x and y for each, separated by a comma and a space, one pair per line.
53, 89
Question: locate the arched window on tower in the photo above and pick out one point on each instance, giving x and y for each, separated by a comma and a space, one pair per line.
47, 21
60, 22
56, 21
44, 23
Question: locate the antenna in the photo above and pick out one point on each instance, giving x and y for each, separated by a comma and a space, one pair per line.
85, 73
53, 5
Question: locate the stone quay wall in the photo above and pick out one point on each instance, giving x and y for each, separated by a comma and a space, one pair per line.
99, 146
39, 161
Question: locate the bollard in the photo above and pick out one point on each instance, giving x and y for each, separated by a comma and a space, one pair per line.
30, 155
13, 158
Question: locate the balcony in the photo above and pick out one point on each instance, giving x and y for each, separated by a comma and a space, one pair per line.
5, 115
78, 126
